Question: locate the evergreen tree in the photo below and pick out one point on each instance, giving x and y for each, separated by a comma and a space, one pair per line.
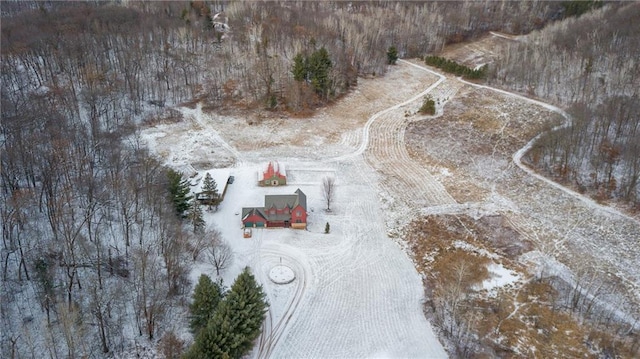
214, 341
210, 189
319, 66
236, 323
209, 185
314, 69
179, 192
299, 68
206, 297
579, 7
392, 55
455, 68
245, 309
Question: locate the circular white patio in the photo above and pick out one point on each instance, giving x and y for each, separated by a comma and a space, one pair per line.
281, 274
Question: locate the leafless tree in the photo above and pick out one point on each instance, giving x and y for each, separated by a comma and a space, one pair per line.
171, 346
150, 291
219, 253
328, 190
201, 242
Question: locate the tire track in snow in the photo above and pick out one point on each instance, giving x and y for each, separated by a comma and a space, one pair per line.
274, 328
365, 131
384, 149
409, 182
357, 289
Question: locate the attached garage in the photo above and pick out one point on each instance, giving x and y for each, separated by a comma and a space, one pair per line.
253, 217
257, 224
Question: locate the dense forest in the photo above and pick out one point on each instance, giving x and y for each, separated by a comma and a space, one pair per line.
95, 260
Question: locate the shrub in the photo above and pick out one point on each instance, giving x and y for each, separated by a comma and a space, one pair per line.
428, 106
392, 55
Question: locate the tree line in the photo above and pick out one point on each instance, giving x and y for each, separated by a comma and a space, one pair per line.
588, 64
119, 60
455, 68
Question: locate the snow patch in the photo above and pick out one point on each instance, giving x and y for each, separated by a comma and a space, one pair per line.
499, 277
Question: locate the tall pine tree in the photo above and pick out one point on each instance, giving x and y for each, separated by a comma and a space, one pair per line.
210, 189
299, 68
179, 192
319, 67
392, 55
206, 296
314, 69
236, 323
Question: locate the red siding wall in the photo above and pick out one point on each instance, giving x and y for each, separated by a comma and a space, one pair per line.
253, 219
302, 217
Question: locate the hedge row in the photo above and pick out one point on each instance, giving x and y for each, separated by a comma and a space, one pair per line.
455, 68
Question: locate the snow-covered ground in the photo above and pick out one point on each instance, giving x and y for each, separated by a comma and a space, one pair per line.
356, 293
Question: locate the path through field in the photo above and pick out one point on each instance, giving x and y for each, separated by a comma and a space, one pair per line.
356, 292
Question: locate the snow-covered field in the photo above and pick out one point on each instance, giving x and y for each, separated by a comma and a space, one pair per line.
356, 292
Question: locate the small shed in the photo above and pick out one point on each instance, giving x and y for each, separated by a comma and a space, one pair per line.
273, 175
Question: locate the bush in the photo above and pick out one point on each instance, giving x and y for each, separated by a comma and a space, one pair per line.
428, 106
392, 55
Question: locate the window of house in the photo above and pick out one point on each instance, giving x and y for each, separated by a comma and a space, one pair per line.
298, 213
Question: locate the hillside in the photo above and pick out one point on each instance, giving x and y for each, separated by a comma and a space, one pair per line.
504, 225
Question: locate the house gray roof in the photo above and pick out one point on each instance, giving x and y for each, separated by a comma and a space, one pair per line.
286, 200
279, 217
248, 211
302, 198
279, 201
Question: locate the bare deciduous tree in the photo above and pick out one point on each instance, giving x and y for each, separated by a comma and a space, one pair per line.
198, 244
219, 253
328, 190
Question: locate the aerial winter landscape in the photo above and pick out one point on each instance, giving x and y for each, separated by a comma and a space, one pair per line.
291, 180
